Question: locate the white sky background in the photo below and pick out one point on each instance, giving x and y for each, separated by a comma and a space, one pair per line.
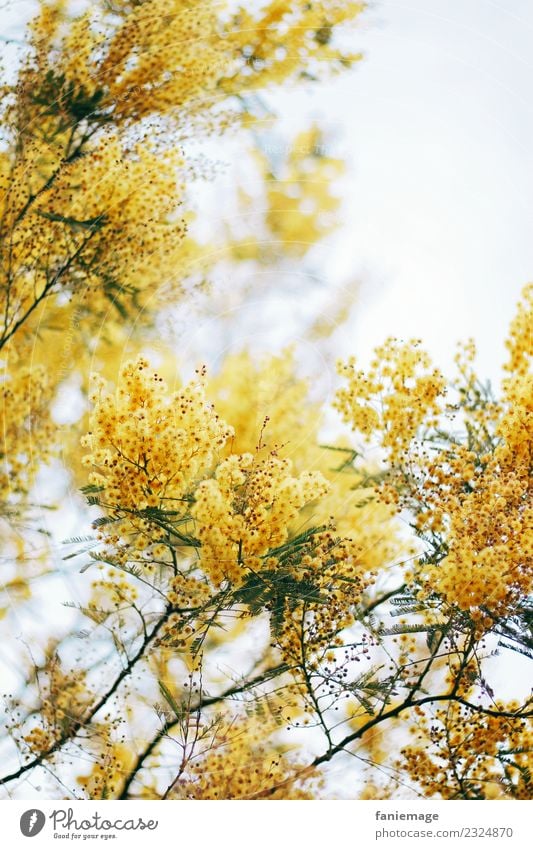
436, 125
441, 128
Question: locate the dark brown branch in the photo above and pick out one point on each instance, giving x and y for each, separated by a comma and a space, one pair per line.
236, 690
47, 290
83, 722
382, 599
407, 705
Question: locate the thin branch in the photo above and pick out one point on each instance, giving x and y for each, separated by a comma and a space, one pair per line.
167, 726
83, 722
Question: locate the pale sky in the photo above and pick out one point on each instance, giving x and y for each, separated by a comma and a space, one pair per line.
441, 126
437, 126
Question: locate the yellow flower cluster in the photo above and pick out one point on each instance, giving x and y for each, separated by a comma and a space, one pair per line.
252, 504
125, 199
113, 591
314, 624
490, 556
481, 494
104, 228
26, 426
301, 205
63, 698
390, 401
188, 591
106, 777
475, 497
149, 447
520, 340
159, 57
296, 204
163, 58
286, 40
240, 765
247, 509
265, 402
461, 754
127, 60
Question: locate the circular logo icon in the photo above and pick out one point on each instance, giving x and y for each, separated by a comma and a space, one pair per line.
32, 822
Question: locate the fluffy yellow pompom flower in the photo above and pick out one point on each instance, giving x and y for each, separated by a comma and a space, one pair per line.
148, 446
247, 509
389, 402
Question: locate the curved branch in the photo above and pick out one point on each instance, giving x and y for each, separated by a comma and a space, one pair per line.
83, 722
376, 720
394, 712
267, 675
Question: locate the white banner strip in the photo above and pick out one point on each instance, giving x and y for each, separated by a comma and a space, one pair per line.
241, 825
